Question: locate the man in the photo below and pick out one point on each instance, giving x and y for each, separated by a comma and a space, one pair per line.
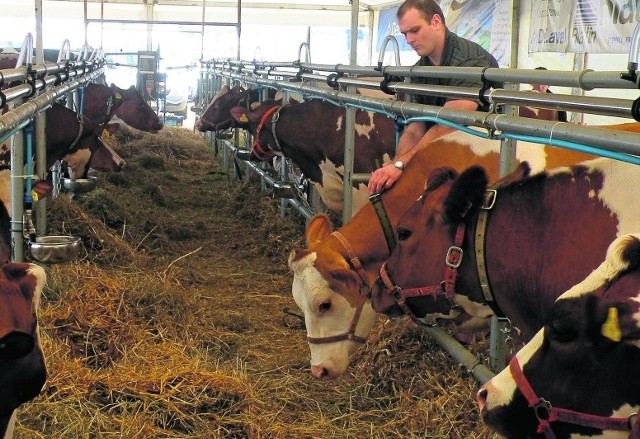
423, 25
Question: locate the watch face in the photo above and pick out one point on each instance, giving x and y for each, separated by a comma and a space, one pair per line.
399, 164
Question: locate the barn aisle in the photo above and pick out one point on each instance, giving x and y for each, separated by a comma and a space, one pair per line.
174, 323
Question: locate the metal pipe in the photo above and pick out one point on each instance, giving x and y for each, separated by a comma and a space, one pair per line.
461, 354
308, 51
396, 49
632, 65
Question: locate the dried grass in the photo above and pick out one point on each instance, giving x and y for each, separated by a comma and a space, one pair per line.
173, 323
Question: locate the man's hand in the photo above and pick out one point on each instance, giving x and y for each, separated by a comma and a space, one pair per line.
383, 178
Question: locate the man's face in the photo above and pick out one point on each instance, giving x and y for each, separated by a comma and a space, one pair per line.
420, 34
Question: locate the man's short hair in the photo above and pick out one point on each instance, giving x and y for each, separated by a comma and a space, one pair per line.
428, 8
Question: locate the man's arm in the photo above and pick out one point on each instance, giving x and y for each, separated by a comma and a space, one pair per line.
413, 139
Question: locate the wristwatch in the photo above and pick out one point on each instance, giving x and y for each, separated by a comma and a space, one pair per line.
399, 165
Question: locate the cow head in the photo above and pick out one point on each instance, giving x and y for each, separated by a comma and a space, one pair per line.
327, 294
585, 359
425, 233
217, 115
134, 110
22, 367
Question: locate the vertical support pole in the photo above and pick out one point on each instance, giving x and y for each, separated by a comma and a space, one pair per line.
17, 197
497, 342
40, 127
349, 125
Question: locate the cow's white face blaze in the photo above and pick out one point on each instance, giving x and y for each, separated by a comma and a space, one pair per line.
326, 313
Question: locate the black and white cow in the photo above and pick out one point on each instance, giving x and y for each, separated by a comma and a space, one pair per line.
580, 375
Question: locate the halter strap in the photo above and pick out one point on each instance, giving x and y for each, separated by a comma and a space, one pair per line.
383, 219
354, 261
480, 240
264, 152
446, 288
80, 130
547, 414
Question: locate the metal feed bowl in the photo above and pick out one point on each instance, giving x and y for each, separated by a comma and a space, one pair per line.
283, 189
80, 185
55, 249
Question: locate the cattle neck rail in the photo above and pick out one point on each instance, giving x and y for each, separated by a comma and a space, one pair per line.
297, 77
18, 118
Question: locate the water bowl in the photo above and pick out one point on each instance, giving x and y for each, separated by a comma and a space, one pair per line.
55, 249
80, 185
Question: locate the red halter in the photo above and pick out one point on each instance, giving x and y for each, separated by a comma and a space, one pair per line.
446, 288
547, 414
263, 152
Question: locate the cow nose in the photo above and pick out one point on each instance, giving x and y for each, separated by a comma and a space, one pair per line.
16, 345
481, 398
321, 372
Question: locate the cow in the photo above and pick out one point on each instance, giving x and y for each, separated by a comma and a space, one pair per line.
324, 276
495, 249
578, 376
101, 103
217, 116
312, 135
22, 366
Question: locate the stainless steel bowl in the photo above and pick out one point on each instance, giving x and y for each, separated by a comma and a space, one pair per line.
80, 185
282, 189
55, 249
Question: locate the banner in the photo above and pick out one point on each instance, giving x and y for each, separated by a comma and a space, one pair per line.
486, 22
593, 26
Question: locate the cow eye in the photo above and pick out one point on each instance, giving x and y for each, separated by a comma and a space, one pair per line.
562, 331
325, 306
403, 234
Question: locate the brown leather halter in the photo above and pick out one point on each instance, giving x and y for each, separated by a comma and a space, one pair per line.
364, 289
265, 152
546, 413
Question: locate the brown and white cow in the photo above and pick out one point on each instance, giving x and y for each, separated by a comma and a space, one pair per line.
326, 284
217, 116
578, 376
22, 367
528, 241
312, 134
102, 103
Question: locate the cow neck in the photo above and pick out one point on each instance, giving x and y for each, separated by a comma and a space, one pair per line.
546, 413
265, 152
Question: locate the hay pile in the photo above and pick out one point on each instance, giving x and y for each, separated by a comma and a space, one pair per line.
172, 324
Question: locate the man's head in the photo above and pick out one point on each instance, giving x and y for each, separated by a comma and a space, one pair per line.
542, 88
422, 23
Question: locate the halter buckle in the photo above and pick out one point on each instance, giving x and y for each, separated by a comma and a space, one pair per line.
397, 296
454, 256
490, 199
542, 409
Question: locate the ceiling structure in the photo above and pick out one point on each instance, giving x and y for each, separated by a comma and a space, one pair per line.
326, 5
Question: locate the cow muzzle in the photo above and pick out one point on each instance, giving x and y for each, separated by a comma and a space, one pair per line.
16, 345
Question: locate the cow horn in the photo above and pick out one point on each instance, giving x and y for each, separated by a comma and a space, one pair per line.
611, 326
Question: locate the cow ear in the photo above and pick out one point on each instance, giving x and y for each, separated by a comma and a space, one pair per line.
440, 176
298, 259
240, 114
345, 282
318, 229
467, 191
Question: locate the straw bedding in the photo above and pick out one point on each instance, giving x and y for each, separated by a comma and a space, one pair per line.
178, 320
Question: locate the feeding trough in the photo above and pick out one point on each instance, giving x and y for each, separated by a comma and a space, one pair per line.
55, 249
80, 185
